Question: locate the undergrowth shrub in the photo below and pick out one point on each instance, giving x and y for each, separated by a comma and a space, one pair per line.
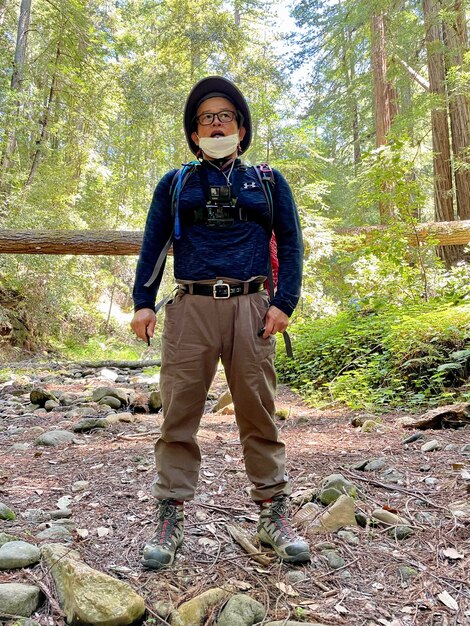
389, 356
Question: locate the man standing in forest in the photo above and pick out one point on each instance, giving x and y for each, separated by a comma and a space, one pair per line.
219, 215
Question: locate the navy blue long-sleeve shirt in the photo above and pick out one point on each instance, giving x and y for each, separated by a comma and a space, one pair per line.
239, 251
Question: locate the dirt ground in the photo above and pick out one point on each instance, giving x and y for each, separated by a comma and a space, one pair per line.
118, 512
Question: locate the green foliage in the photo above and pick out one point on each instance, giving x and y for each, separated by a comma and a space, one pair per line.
386, 357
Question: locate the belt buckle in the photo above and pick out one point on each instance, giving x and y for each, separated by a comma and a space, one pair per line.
224, 286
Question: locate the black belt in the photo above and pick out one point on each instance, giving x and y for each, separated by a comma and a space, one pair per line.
221, 290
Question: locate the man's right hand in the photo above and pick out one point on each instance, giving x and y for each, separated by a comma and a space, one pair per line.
143, 323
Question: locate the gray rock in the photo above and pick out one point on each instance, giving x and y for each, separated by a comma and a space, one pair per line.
334, 486
6, 513
114, 392
56, 532
82, 411
401, 532
466, 449
20, 446
111, 401
19, 599
86, 425
80, 485
387, 517
335, 561
302, 419
375, 464
69, 399
51, 405
359, 465
413, 437
348, 537
37, 516
293, 623
54, 438
241, 610
16, 554
5, 538
295, 576
430, 446
390, 475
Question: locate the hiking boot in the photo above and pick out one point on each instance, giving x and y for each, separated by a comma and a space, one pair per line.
161, 549
275, 530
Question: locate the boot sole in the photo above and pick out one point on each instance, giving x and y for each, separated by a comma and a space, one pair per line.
302, 557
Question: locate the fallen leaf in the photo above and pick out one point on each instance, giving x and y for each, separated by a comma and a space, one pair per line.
82, 532
378, 586
341, 609
448, 600
451, 553
409, 610
287, 589
102, 531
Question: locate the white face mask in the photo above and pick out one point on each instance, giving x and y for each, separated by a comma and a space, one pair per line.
219, 147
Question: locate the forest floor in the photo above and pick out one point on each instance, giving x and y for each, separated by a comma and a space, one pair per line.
118, 512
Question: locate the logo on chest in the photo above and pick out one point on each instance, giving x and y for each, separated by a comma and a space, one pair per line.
249, 185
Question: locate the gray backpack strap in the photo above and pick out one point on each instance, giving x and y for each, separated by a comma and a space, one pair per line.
159, 263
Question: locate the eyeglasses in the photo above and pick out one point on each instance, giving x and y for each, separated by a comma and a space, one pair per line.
224, 117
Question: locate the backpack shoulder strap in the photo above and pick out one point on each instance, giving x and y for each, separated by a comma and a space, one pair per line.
176, 187
266, 177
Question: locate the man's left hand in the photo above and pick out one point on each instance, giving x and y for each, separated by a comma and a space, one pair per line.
276, 322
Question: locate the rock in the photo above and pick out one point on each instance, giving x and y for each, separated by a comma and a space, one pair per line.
51, 405
88, 596
54, 438
405, 422
155, 401
339, 515
465, 449
430, 446
308, 512
86, 425
324, 545
81, 411
194, 612
16, 554
413, 437
375, 464
4, 538
55, 533
241, 610
392, 476
80, 485
370, 426
295, 576
113, 392
111, 401
334, 486
6, 513
41, 396
401, 532
68, 399
406, 572
302, 419
19, 599
387, 517
37, 516
108, 374
282, 414
348, 537
228, 410
224, 400
335, 561
125, 417
359, 465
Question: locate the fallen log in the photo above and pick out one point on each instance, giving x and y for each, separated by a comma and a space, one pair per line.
120, 243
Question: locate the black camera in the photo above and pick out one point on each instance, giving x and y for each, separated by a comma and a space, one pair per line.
219, 207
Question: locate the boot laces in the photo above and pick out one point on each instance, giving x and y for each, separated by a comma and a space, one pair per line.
277, 517
168, 514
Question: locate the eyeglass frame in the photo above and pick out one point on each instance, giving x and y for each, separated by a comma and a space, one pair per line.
235, 114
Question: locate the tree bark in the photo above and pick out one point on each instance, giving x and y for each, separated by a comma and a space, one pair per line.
121, 243
442, 163
45, 120
16, 81
456, 40
385, 100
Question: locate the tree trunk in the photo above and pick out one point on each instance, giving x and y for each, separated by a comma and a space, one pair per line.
45, 120
456, 40
384, 96
16, 82
442, 164
3, 8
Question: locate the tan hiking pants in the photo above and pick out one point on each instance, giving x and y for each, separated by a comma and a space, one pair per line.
199, 330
